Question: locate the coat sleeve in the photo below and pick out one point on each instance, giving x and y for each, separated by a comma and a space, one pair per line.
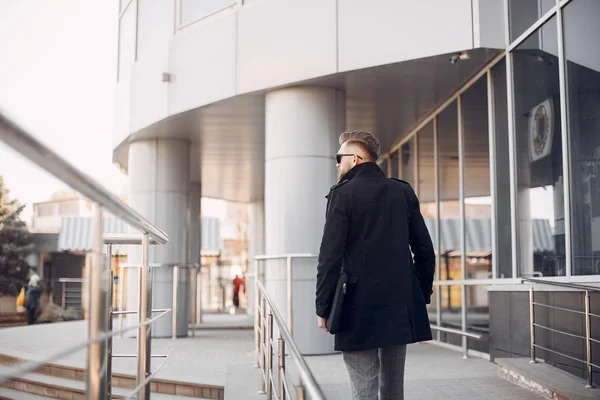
421, 246
331, 253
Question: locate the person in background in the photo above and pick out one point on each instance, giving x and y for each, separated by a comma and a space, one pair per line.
33, 293
237, 284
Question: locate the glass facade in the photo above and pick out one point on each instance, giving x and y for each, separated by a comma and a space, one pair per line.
583, 83
507, 171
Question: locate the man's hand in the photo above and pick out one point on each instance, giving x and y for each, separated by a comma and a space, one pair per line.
322, 323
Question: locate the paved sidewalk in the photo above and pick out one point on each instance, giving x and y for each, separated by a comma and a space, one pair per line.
202, 359
432, 373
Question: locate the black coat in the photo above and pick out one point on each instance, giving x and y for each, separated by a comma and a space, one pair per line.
32, 297
372, 224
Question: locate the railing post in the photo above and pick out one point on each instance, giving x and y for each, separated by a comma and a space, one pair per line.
109, 343
289, 294
200, 293
96, 369
193, 297
121, 296
175, 293
281, 362
144, 331
270, 356
300, 392
532, 322
256, 324
63, 301
262, 358
588, 341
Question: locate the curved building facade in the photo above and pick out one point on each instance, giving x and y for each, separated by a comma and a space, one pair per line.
489, 108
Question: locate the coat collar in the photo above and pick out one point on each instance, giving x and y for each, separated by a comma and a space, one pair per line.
367, 169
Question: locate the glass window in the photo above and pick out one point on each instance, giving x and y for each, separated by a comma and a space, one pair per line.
155, 28
123, 4
427, 179
582, 34
395, 167
478, 317
450, 236
478, 203
451, 297
127, 40
384, 165
45, 210
193, 10
68, 208
539, 156
407, 163
503, 256
524, 13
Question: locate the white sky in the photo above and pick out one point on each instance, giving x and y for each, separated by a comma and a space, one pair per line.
57, 79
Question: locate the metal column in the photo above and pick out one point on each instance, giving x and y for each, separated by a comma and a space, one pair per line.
97, 378
144, 331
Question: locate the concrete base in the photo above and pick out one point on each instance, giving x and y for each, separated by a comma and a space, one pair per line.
544, 380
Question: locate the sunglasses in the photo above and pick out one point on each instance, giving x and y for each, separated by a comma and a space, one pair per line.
338, 157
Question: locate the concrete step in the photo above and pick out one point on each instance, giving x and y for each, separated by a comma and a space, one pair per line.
61, 388
11, 394
121, 381
242, 382
545, 380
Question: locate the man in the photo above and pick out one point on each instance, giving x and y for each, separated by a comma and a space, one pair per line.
372, 225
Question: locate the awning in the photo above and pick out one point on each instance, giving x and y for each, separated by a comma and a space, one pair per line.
479, 235
75, 234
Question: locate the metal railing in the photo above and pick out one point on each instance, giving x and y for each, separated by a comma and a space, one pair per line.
260, 276
98, 378
587, 315
266, 313
195, 302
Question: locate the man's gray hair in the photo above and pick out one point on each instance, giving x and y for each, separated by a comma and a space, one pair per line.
366, 140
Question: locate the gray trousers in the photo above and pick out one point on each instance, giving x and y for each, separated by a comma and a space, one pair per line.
377, 370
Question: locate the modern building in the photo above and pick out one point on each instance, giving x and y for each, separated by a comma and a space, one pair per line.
490, 108
48, 215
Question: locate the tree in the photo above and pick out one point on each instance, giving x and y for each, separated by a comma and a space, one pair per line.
15, 244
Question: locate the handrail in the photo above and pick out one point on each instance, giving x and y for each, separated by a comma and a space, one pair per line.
282, 256
289, 258
468, 334
29, 366
98, 382
587, 315
306, 376
71, 280
562, 284
31, 148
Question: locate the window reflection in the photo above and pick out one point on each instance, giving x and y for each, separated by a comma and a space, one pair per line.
503, 228
407, 164
524, 13
478, 209
539, 155
450, 234
583, 69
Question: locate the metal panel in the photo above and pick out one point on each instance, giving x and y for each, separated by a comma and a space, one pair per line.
280, 42
394, 31
488, 29
202, 64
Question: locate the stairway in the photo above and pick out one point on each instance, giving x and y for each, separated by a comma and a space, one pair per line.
64, 382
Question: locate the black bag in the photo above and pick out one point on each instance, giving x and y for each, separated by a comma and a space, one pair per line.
335, 315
